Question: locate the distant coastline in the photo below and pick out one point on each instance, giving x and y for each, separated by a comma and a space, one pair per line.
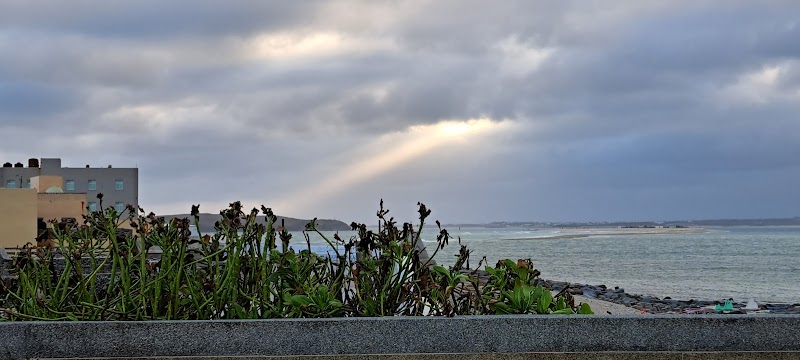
793, 221
606, 231
207, 222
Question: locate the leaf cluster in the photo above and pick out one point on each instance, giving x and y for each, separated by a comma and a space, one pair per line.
131, 266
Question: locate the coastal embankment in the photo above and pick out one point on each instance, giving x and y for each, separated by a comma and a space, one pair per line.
606, 300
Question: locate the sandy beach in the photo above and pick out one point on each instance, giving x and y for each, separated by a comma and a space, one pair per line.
601, 307
576, 233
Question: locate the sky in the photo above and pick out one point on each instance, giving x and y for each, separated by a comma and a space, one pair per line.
484, 111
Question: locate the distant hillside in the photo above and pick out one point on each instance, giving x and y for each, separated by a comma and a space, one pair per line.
207, 222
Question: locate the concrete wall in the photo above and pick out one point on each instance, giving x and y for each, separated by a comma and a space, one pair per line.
105, 179
57, 206
20, 175
50, 166
473, 337
17, 217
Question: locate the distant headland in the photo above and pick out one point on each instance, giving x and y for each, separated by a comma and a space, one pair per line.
207, 221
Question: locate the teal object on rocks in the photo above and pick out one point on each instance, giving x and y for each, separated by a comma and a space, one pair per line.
728, 306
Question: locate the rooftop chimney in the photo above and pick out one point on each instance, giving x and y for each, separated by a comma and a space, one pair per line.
33, 163
50, 166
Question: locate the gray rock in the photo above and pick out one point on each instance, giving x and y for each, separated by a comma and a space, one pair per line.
629, 301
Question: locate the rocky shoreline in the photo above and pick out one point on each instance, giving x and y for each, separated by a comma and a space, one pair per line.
667, 305
646, 304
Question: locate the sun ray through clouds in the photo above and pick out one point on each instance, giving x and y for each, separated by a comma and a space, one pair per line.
422, 139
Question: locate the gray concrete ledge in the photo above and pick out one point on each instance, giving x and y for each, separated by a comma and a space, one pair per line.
517, 356
482, 336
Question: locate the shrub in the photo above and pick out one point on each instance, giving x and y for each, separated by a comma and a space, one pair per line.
248, 269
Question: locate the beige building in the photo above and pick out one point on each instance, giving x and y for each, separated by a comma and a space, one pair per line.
45, 199
119, 186
57, 206
18, 212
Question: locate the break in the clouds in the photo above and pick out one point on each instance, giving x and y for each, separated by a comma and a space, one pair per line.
534, 110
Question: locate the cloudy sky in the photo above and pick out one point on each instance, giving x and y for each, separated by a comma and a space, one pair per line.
485, 111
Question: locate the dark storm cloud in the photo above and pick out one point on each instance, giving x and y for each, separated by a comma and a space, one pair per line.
615, 105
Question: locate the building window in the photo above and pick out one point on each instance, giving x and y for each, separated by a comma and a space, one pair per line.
11, 184
119, 206
28, 183
92, 185
92, 206
70, 185
119, 185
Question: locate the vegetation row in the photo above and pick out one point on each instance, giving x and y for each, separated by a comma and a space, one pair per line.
250, 268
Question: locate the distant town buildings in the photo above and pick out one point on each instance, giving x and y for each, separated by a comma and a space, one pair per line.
120, 186
42, 191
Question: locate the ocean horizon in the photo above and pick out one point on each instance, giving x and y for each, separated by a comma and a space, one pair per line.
739, 262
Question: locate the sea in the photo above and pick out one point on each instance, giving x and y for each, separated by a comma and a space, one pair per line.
742, 263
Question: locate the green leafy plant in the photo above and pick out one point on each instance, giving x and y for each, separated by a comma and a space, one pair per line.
514, 288
248, 269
